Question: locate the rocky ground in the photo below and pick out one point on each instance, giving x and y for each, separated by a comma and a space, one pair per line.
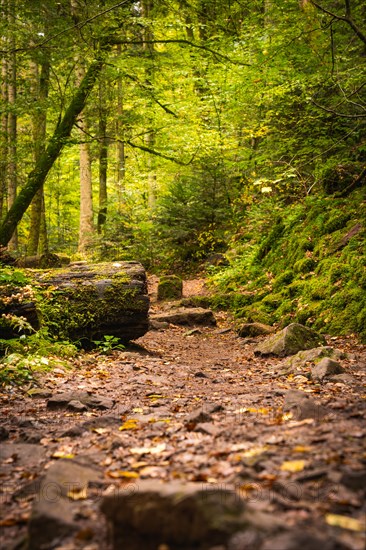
196, 409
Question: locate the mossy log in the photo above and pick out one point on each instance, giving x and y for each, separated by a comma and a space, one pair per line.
84, 302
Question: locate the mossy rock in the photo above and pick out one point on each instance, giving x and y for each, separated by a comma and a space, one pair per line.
305, 265
88, 301
170, 287
290, 340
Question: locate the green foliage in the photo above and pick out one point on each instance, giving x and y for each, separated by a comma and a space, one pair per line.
324, 288
15, 277
108, 344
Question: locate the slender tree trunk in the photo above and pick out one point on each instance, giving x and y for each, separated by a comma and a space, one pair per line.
86, 225
12, 123
121, 156
103, 159
38, 241
38, 175
4, 115
148, 47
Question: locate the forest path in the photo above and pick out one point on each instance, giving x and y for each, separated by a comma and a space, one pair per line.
195, 406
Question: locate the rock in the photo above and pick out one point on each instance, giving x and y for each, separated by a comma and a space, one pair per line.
295, 539
158, 325
30, 436
342, 378
4, 433
302, 406
85, 302
187, 317
197, 416
62, 400
290, 340
23, 454
325, 368
52, 516
207, 428
49, 524
354, 479
77, 406
170, 287
179, 515
303, 358
254, 329
39, 392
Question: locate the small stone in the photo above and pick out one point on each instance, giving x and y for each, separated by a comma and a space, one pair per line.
187, 317
4, 433
290, 340
170, 287
298, 539
207, 428
62, 400
30, 436
254, 329
158, 325
302, 406
342, 378
325, 368
197, 416
200, 374
354, 479
77, 406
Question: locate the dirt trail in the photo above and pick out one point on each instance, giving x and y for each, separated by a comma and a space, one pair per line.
194, 406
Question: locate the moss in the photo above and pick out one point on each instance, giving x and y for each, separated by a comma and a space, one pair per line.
305, 265
170, 287
284, 279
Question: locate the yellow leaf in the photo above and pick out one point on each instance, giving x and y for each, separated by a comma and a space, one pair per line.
255, 451
130, 424
345, 522
293, 465
62, 454
116, 474
78, 493
302, 449
138, 410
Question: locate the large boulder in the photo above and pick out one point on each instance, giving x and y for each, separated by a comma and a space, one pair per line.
151, 515
290, 340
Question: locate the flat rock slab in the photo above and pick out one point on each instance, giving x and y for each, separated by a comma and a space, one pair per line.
53, 512
68, 400
290, 340
187, 317
303, 358
326, 368
22, 454
150, 514
302, 406
254, 329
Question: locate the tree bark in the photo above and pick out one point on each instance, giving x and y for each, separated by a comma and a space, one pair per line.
12, 123
38, 175
38, 241
4, 116
103, 160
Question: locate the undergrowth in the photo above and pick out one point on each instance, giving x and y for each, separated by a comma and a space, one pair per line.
303, 262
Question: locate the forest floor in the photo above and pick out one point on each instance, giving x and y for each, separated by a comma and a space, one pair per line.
198, 406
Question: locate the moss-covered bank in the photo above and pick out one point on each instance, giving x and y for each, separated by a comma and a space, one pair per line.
302, 262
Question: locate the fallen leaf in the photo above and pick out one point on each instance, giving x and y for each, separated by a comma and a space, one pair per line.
293, 465
116, 474
345, 522
62, 454
148, 450
78, 493
130, 424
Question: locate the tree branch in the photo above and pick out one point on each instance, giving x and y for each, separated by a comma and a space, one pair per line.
343, 115
346, 18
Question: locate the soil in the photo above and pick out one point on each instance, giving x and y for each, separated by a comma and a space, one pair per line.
194, 405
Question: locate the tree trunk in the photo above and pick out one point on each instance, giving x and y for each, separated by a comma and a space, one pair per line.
38, 241
121, 157
103, 159
38, 175
4, 115
12, 124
